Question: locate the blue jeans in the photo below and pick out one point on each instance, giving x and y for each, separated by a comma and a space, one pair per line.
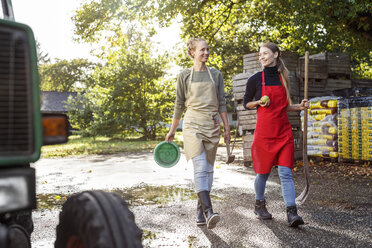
203, 173
288, 190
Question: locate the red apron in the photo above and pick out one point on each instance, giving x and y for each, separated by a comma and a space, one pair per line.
273, 139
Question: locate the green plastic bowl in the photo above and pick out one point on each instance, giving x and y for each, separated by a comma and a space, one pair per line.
167, 154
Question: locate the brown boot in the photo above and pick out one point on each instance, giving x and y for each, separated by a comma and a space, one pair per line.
261, 210
293, 219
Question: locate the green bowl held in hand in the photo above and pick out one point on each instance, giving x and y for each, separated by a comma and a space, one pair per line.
167, 154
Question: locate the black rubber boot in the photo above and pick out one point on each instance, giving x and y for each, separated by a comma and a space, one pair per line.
212, 218
200, 219
261, 210
293, 219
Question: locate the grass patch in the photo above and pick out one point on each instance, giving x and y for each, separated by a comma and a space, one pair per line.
78, 145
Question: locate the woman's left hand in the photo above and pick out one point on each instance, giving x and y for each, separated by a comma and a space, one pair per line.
304, 104
227, 136
217, 122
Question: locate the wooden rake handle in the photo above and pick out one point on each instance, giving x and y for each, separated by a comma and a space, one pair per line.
302, 197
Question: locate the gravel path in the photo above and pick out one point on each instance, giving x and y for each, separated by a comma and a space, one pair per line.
338, 212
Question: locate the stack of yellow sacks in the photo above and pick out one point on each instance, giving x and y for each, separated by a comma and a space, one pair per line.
322, 127
355, 132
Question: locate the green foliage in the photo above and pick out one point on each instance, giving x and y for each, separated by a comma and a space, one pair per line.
362, 67
234, 28
131, 94
80, 113
66, 76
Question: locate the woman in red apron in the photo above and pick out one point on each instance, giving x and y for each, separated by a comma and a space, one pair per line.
273, 142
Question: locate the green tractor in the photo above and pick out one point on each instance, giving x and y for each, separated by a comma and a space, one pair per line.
88, 219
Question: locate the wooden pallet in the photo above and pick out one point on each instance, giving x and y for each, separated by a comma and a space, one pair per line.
338, 64
247, 118
239, 84
252, 65
294, 119
247, 142
353, 161
336, 84
361, 83
290, 60
297, 136
317, 69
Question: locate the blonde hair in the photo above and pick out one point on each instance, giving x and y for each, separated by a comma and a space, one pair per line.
191, 45
282, 69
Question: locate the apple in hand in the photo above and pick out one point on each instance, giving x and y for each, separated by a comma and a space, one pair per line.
264, 99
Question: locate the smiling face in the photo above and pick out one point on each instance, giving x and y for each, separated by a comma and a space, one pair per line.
267, 57
201, 52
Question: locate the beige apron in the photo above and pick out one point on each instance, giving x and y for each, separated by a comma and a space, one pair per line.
200, 129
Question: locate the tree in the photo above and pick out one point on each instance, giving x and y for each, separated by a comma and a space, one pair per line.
42, 58
80, 112
236, 27
66, 76
131, 95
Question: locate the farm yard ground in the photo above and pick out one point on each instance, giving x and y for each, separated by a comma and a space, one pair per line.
338, 211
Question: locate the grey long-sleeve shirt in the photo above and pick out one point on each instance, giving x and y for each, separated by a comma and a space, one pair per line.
198, 76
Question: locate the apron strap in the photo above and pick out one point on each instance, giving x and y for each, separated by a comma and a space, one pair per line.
209, 72
281, 80
192, 72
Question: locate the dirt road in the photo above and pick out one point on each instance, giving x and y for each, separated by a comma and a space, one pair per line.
338, 212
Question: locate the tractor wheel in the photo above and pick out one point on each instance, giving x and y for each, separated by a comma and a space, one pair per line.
18, 237
97, 219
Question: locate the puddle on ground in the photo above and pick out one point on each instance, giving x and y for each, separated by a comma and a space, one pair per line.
50, 201
148, 195
135, 196
157, 239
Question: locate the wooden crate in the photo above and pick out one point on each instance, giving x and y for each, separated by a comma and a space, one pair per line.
247, 142
247, 118
361, 83
316, 88
298, 140
252, 65
239, 84
338, 64
290, 60
336, 84
317, 69
294, 119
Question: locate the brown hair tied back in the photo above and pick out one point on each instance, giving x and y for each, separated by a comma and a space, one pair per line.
191, 45
282, 69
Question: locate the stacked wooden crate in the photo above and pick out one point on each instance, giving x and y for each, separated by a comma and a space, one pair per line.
327, 72
251, 64
361, 83
338, 64
317, 77
247, 118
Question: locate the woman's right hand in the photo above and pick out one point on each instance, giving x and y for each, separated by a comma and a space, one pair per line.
266, 104
169, 136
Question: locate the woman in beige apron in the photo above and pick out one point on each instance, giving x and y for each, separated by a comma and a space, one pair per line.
200, 90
